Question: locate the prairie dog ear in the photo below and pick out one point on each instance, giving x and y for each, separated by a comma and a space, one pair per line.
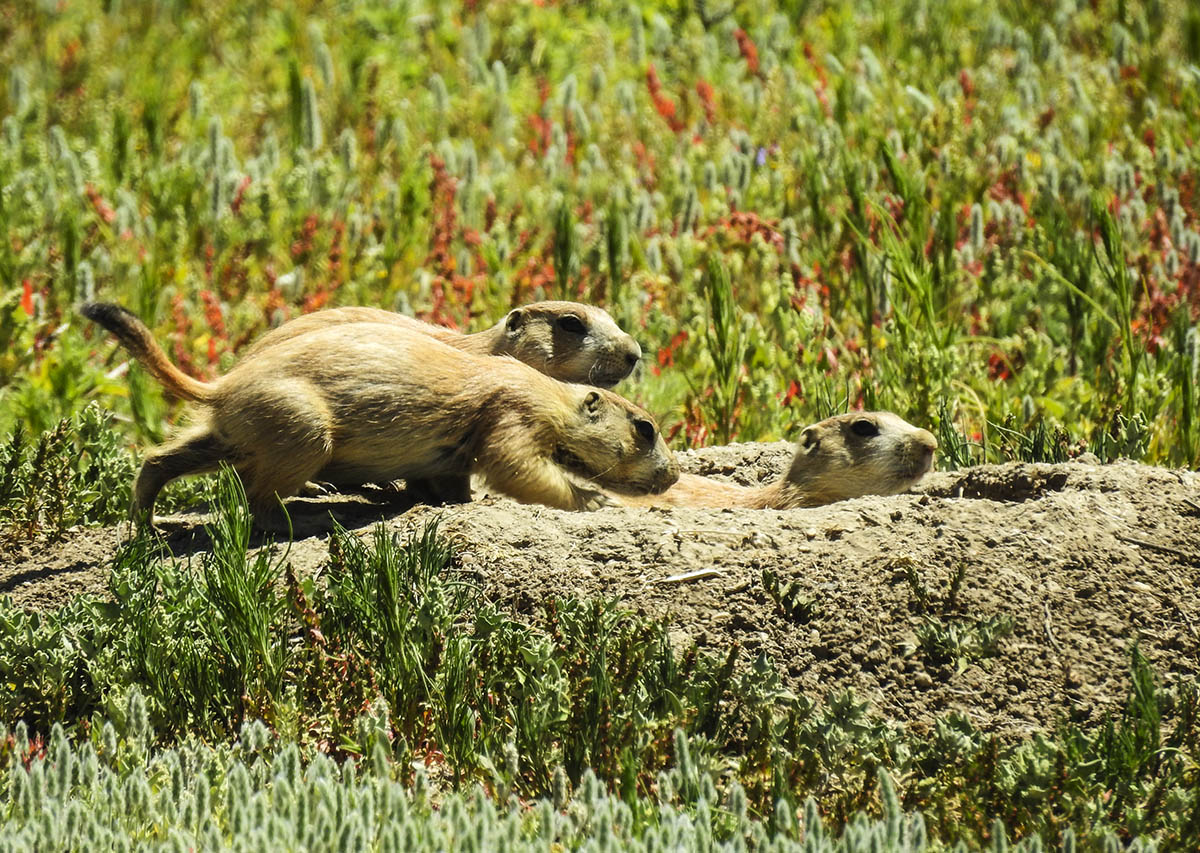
514, 320
810, 440
591, 402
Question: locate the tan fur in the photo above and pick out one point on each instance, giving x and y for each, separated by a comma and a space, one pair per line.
568, 341
356, 403
832, 463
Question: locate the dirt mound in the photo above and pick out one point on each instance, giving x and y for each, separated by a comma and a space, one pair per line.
1010, 593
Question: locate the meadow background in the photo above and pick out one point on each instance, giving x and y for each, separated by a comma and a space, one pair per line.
983, 216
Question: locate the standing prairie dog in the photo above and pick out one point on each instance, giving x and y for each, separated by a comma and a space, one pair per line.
846, 456
568, 341
371, 402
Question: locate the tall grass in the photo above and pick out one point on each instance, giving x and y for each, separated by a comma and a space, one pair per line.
907, 216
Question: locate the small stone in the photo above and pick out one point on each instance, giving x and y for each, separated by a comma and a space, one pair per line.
1073, 678
922, 680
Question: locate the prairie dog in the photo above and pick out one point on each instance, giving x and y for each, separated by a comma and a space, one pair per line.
846, 456
372, 402
568, 341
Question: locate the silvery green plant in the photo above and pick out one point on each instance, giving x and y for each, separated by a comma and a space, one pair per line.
312, 135
164, 798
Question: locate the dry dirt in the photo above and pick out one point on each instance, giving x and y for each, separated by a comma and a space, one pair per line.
1085, 559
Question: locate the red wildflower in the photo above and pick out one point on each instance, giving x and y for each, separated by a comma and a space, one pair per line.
182, 327
707, 99
240, 195
103, 208
966, 83
212, 313
27, 297
817, 66
662, 104
793, 391
316, 301
748, 50
442, 189
998, 367
335, 247
666, 355
489, 215
540, 143
303, 243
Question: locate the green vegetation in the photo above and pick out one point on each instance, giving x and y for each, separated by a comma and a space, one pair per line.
397, 662
980, 216
983, 216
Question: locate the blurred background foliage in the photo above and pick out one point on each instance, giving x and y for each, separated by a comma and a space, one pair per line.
980, 215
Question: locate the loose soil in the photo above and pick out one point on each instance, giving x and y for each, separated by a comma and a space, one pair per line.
1085, 559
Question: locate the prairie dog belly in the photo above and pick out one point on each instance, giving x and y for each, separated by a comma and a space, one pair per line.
417, 458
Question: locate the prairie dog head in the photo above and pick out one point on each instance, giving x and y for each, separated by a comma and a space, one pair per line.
616, 445
860, 453
570, 342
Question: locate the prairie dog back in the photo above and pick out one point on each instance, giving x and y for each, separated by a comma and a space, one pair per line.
568, 341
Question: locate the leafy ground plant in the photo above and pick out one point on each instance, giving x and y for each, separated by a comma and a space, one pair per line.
531, 707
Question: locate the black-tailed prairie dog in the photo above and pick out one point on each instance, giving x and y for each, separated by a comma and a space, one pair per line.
568, 341
846, 456
358, 403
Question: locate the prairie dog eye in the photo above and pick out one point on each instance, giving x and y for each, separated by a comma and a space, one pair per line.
864, 428
571, 323
645, 429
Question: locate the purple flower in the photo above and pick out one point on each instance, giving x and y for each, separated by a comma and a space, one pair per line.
762, 156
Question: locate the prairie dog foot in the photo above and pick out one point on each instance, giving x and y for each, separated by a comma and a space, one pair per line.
316, 490
589, 501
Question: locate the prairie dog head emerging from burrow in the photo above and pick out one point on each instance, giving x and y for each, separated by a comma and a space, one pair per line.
355, 403
568, 341
846, 456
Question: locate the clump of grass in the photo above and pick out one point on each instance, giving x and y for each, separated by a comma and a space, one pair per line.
789, 598
76, 473
961, 642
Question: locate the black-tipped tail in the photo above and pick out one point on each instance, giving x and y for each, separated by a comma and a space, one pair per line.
137, 339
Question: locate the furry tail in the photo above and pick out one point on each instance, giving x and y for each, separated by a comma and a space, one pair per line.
135, 337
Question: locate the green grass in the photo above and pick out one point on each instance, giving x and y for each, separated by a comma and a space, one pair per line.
904, 212
398, 662
981, 216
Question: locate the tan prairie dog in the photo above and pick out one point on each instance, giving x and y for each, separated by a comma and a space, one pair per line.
846, 456
372, 402
568, 341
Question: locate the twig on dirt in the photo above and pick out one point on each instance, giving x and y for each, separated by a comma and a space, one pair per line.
1063, 665
1192, 504
728, 534
687, 577
1050, 630
1165, 549
1187, 620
